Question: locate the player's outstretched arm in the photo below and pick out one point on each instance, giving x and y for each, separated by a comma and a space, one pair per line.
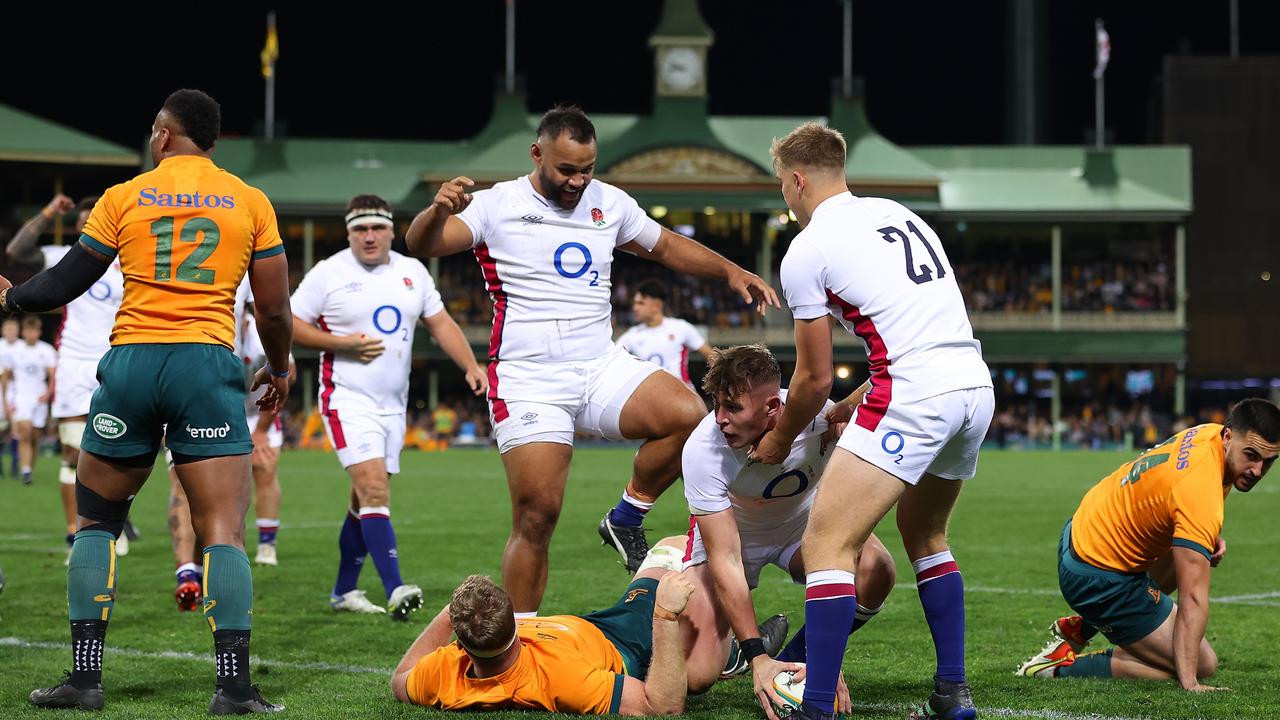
693, 258
455, 345
808, 392
436, 635
1193, 615
54, 287
434, 232
663, 692
24, 247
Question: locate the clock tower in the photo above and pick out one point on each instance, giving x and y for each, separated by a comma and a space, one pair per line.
681, 41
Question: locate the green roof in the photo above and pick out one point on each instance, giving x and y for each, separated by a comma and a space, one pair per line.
1063, 182
28, 138
681, 157
320, 176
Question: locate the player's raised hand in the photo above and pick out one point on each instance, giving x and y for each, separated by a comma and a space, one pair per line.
453, 196
478, 381
364, 348
753, 289
60, 205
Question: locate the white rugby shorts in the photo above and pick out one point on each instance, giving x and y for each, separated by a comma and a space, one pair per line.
939, 435
27, 408
533, 401
75, 381
776, 547
361, 436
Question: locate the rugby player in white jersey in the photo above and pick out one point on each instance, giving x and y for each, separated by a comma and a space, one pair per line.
746, 515
30, 371
664, 341
914, 430
268, 437
85, 336
359, 307
545, 244
10, 330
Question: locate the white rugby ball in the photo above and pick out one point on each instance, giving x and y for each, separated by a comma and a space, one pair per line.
791, 692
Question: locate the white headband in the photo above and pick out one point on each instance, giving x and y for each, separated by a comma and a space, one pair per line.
369, 216
492, 653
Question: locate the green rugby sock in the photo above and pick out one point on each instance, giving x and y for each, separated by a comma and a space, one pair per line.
1094, 664
91, 576
228, 607
228, 588
91, 596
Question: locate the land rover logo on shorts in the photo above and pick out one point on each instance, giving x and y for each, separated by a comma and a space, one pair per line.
108, 426
209, 432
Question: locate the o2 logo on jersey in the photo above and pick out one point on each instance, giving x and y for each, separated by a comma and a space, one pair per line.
892, 443
100, 291
583, 270
772, 491
385, 314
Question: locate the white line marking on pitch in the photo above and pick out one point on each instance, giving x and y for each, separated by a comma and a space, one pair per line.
365, 670
1254, 600
172, 655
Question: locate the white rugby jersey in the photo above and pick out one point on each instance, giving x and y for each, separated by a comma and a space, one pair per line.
240, 310
30, 365
666, 344
6, 363
86, 322
717, 477
548, 270
882, 272
342, 296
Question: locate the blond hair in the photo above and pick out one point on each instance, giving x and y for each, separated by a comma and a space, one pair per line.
482, 615
813, 146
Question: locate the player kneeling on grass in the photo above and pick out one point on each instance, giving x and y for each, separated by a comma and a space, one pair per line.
1149, 528
628, 659
748, 515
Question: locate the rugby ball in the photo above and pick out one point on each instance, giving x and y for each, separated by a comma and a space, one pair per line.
791, 692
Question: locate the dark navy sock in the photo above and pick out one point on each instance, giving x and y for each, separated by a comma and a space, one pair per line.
351, 552
629, 512
830, 604
380, 538
942, 597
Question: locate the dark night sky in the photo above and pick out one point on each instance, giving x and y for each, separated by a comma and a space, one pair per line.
935, 72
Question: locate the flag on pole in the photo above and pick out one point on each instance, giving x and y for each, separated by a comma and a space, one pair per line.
1104, 50
270, 50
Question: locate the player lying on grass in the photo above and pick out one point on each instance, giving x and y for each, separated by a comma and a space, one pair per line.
1149, 528
628, 659
748, 515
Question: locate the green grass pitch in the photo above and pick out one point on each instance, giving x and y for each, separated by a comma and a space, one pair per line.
452, 516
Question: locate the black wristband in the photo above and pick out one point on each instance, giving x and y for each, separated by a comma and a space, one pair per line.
752, 648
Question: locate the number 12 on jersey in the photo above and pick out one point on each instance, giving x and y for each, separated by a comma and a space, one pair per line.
200, 229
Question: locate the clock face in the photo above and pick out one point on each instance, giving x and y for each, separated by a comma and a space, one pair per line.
680, 69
